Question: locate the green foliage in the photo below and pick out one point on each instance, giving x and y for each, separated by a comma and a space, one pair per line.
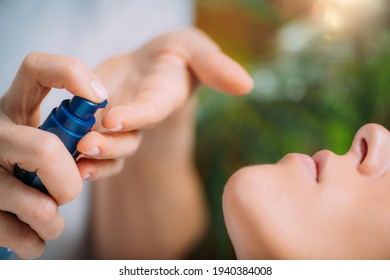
304, 100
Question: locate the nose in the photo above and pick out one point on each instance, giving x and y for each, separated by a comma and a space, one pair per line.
372, 145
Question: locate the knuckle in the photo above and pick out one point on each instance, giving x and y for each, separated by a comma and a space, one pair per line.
47, 146
30, 60
44, 211
28, 239
30, 63
29, 244
73, 69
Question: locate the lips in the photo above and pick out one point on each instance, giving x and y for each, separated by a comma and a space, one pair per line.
320, 158
308, 163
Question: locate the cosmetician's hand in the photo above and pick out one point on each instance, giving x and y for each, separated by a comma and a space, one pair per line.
149, 85
37, 216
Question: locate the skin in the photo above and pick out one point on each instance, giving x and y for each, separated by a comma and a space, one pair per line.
156, 209
323, 207
37, 216
143, 137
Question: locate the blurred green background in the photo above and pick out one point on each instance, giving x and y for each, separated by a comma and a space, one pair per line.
321, 70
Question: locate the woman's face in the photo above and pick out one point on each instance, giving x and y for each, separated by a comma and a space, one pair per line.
321, 207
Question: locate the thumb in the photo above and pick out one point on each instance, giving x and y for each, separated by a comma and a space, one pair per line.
40, 72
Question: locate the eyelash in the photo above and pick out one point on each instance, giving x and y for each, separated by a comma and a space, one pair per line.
363, 148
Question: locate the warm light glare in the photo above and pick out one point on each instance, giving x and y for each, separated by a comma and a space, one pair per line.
353, 2
333, 19
346, 15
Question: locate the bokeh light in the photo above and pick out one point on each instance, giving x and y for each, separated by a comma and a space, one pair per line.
346, 15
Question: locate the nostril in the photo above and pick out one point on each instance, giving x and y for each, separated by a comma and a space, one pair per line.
363, 149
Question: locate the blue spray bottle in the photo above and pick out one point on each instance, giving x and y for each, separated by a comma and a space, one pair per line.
70, 122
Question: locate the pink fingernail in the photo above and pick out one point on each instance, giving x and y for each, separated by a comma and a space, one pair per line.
99, 90
117, 128
95, 151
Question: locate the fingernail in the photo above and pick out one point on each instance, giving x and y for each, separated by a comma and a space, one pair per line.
99, 90
117, 128
87, 177
95, 151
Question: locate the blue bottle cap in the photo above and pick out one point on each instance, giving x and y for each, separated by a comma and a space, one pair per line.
83, 108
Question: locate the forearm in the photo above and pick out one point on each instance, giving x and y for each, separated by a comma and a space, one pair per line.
155, 208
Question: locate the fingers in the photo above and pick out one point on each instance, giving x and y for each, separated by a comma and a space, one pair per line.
45, 154
37, 218
163, 90
19, 237
209, 64
219, 71
103, 153
37, 214
109, 145
38, 73
167, 84
92, 169
31, 206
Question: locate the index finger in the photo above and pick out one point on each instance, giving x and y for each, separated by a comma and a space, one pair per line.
204, 57
39, 73
161, 92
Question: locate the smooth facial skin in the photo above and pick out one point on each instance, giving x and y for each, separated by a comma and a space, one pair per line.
322, 207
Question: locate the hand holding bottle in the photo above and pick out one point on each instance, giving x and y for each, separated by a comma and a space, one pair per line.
36, 214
